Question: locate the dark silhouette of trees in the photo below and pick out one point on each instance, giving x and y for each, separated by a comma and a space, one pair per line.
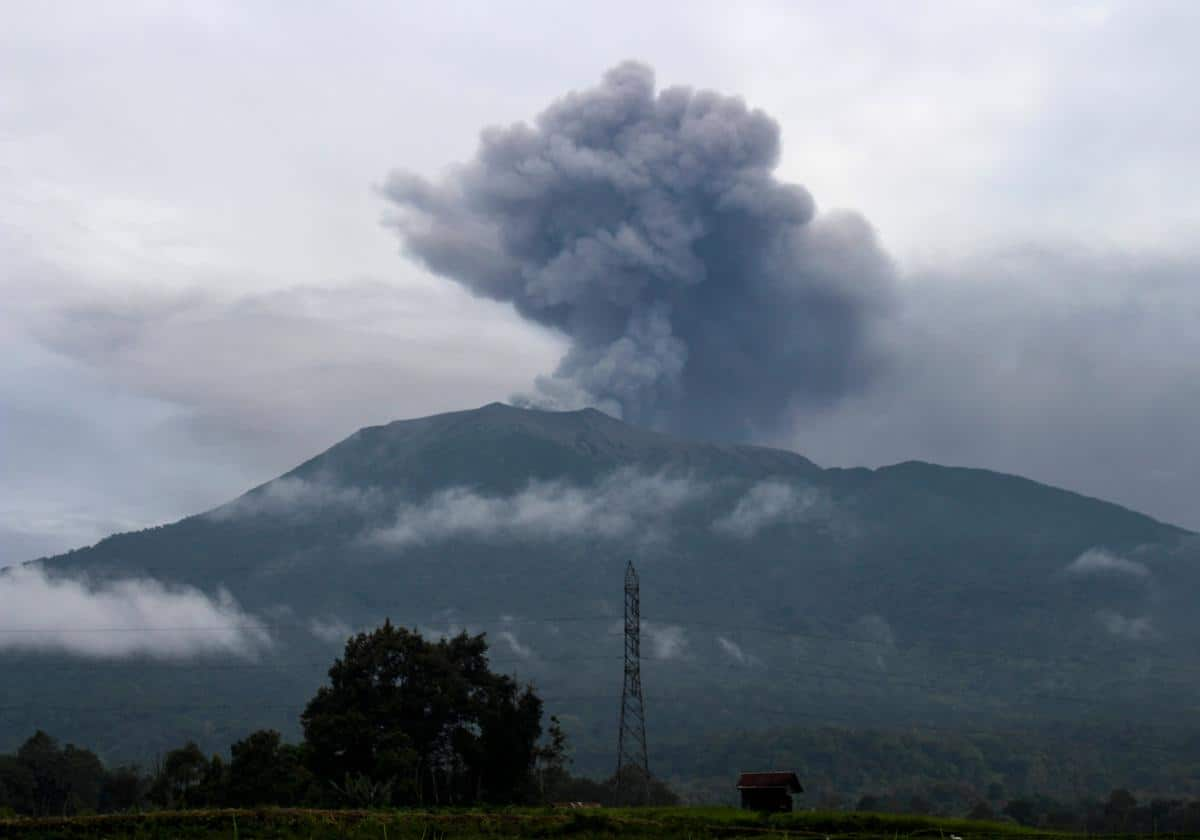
266, 771
124, 789
403, 720
45, 779
1021, 810
428, 719
981, 811
551, 760
180, 776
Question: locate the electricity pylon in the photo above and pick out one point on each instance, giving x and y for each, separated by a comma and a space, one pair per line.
631, 738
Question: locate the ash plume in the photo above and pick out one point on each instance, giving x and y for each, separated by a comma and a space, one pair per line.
700, 293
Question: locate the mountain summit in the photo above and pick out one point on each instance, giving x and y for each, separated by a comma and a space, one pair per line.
773, 590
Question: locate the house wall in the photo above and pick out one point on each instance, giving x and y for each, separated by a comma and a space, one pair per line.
766, 799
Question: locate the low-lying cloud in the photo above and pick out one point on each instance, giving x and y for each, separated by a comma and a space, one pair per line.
736, 652
331, 630
1134, 629
624, 504
291, 496
768, 503
123, 618
666, 641
518, 648
1099, 561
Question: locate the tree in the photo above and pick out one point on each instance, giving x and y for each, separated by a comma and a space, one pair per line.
981, 810
552, 761
213, 790
1120, 806
181, 773
918, 804
1021, 810
428, 719
124, 790
41, 758
869, 802
61, 780
266, 771
16, 785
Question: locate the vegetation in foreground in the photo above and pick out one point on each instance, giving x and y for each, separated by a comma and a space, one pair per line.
657, 823
403, 722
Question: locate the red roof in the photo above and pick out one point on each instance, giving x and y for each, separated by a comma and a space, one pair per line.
774, 779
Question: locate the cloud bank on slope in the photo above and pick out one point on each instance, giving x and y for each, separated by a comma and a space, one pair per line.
123, 618
292, 496
623, 504
768, 503
700, 293
1131, 629
1098, 561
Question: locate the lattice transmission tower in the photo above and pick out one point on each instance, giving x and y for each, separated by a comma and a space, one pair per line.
631, 737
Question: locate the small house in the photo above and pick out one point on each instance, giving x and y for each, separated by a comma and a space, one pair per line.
768, 791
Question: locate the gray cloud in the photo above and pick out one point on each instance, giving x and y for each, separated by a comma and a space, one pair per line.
958, 132
515, 645
109, 398
1076, 367
122, 618
699, 292
624, 504
231, 368
666, 641
1098, 561
874, 629
769, 503
1133, 629
880, 637
732, 649
331, 630
291, 496
736, 652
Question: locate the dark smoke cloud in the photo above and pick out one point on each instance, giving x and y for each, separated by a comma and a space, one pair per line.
700, 293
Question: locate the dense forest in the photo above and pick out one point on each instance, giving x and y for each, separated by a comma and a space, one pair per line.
407, 721
945, 772
45, 778
907, 595
402, 721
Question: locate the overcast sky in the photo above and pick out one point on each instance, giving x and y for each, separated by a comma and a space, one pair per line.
200, 290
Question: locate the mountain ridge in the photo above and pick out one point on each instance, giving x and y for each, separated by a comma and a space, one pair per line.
505, 511
596, 421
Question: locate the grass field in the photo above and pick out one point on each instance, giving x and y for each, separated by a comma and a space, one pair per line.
658, 823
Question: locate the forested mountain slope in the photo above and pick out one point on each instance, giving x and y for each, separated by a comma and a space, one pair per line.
774, 592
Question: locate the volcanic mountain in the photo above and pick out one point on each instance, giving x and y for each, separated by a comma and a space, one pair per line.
774, 592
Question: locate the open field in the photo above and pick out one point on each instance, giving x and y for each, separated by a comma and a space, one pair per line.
661, 824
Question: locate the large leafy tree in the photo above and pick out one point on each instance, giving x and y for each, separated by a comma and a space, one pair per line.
56, 780
264, 771
428, 719
180, 780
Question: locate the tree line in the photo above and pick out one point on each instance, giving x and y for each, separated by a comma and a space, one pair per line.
1118, 813
402, 721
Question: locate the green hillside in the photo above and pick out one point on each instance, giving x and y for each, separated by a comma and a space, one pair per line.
775, 593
